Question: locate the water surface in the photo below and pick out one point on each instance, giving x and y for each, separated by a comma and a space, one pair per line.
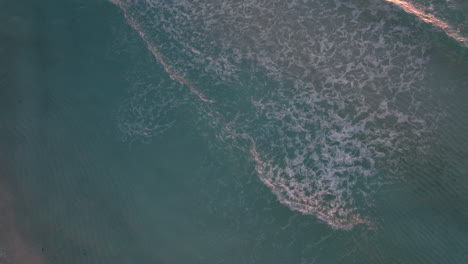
204, 131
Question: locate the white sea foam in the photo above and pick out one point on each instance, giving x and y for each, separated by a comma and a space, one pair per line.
157, 55
343, 99
426, 15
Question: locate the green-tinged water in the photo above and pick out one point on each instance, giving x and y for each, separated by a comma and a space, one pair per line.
201, 131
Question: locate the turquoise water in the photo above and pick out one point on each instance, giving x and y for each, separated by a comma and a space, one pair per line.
233, 131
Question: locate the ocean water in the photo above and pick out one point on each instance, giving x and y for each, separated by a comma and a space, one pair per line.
201, 131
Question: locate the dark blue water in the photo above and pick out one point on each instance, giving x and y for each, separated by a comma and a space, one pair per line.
233, 132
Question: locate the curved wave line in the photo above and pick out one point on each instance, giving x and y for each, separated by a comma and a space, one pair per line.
157, 55
296, 203
291, 200
430, 19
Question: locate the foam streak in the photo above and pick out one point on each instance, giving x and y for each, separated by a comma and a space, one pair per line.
173, 74
430, 19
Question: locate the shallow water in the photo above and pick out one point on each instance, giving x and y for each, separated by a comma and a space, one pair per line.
234, 132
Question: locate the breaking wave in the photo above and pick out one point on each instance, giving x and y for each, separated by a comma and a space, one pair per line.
427, 15
324, 96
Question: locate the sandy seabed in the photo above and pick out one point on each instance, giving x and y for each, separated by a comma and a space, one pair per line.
14, 248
